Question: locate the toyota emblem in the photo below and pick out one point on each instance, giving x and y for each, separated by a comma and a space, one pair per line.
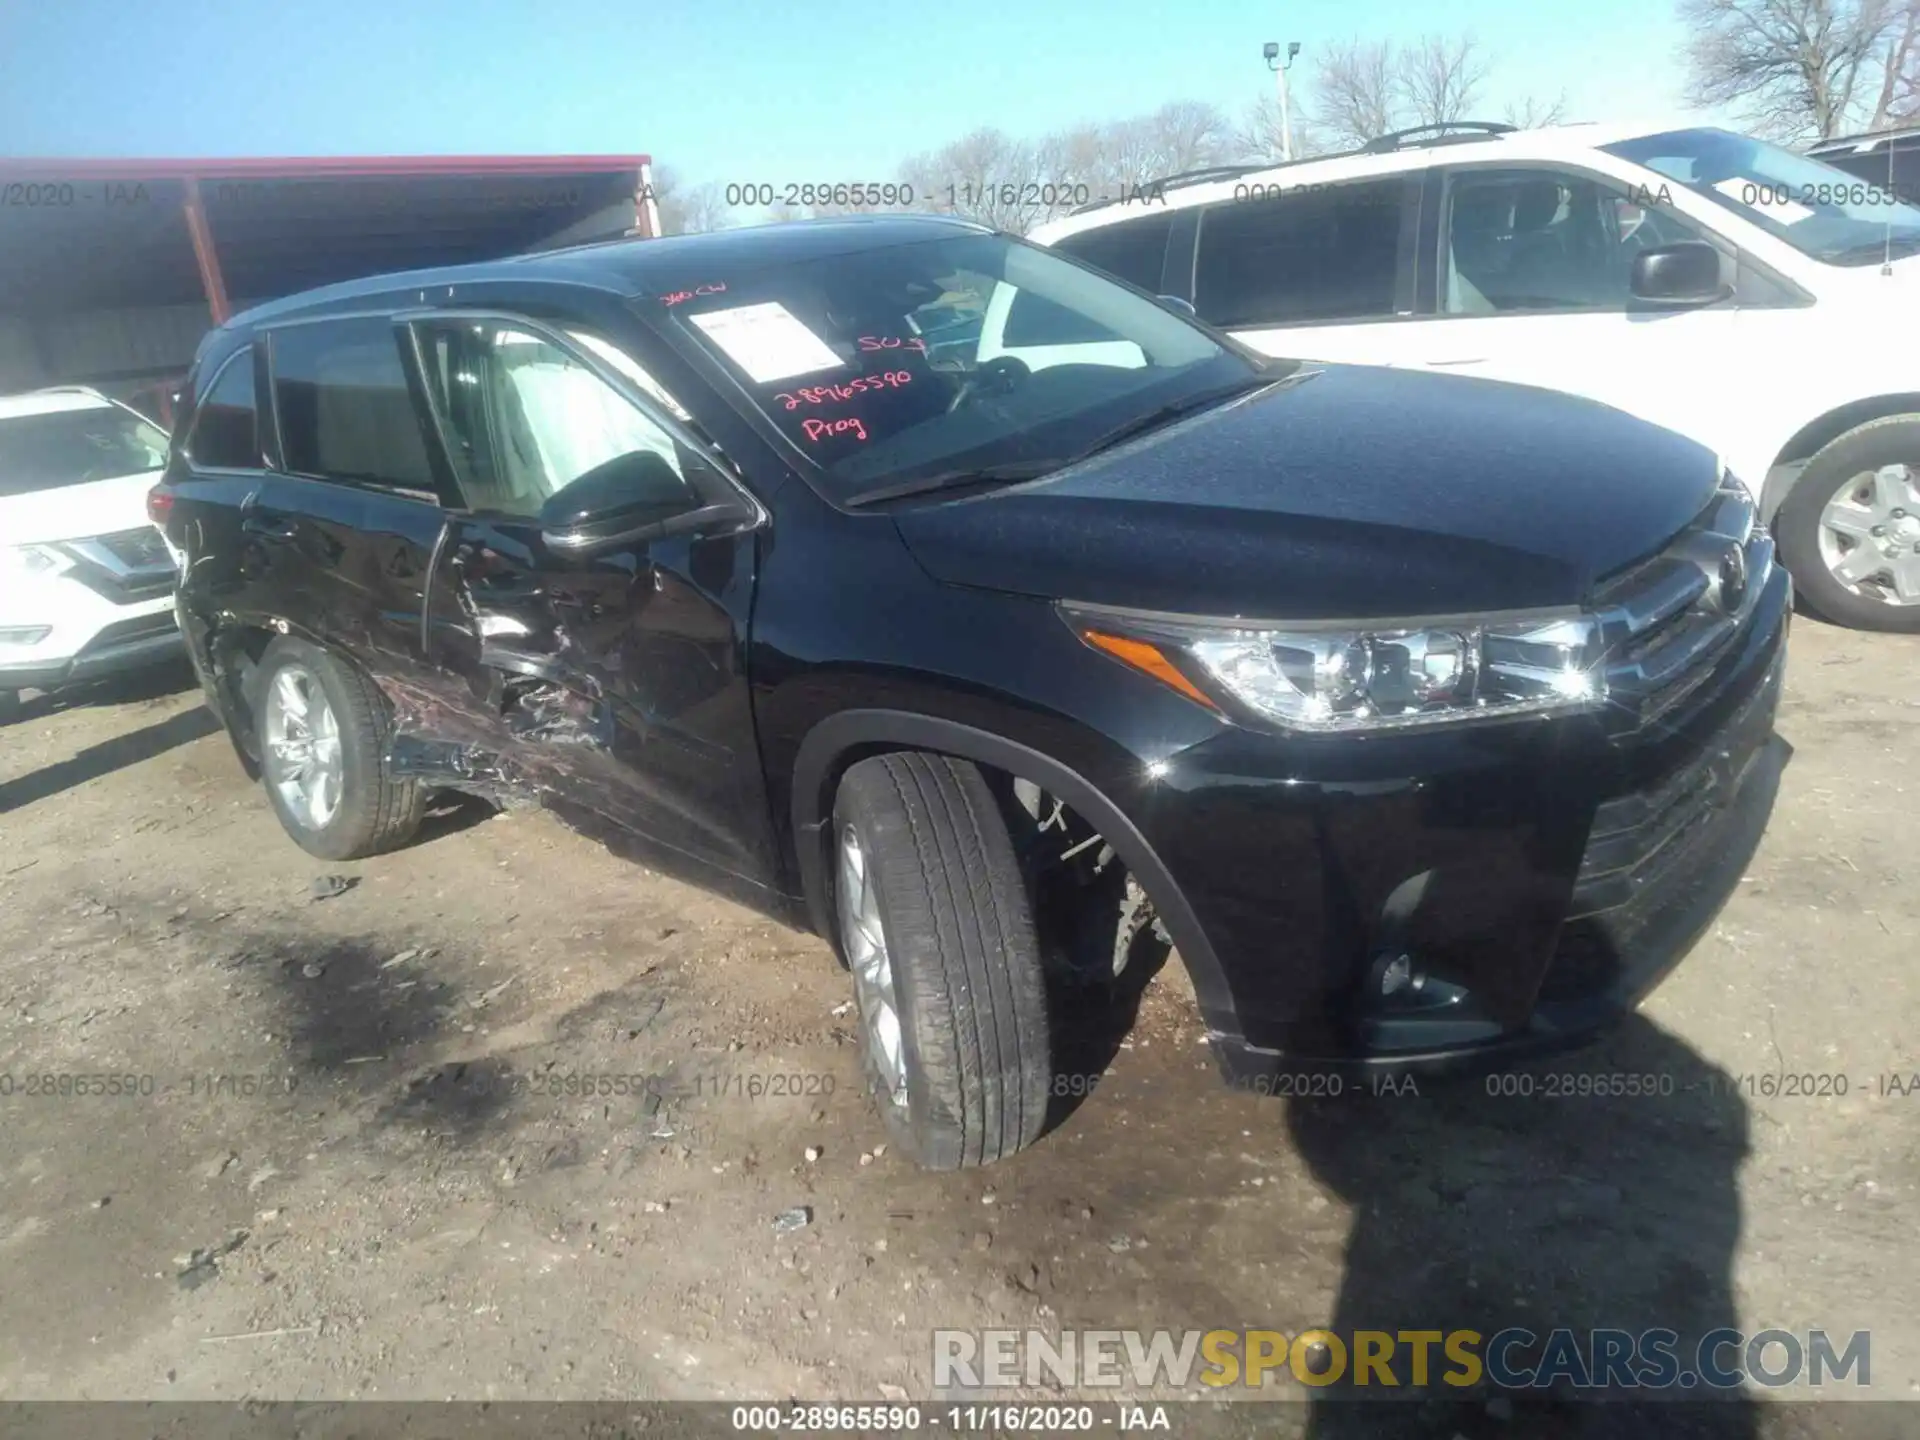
1733, 579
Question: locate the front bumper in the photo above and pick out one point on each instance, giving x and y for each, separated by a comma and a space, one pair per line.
102, 614
128, 643
1542, 878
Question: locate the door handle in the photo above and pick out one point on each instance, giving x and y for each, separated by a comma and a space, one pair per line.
1452, 360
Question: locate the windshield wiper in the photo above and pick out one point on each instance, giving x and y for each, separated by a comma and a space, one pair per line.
1173, 410
958, 479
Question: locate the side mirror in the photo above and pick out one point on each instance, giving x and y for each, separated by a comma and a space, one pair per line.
632, 497
1689, 273
1174, 302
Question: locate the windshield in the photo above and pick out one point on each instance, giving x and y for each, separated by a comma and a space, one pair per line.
70, 447
949, 358
1817, 209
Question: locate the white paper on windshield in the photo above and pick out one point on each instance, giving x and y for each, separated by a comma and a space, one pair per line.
1766, 198
767, 341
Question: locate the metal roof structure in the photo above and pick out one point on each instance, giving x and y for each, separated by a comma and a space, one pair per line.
111, 270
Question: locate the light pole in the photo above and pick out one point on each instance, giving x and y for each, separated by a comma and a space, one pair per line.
1274, 63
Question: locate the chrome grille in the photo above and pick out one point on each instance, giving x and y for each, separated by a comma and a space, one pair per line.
137, 549
1666, 621
123, 565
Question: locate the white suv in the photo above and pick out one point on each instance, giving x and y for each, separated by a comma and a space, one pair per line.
86, 580
1762, 302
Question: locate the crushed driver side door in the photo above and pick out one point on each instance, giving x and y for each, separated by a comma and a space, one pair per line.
609, 683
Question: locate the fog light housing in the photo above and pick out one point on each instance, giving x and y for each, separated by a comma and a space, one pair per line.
24, 634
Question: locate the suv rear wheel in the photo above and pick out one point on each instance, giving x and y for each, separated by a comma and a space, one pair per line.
934, 923
323, 727
1850, 530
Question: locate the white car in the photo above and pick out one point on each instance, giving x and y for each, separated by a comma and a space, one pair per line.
1759, 301
86, 580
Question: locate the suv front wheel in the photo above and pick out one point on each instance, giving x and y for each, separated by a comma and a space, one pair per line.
935, 924
322, 728
1850, 530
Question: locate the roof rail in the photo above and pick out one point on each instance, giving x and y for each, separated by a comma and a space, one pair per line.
1397, 139
1867, 139
1381, 146
1183, 177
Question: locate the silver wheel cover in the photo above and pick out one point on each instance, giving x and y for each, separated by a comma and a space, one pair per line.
865, 940
1870, 535
302, 738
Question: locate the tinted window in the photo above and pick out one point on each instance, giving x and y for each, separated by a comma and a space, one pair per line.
1548, 240
1821, 211
1313, 255
524, 419
70, 446
1133, 250
226, 430
340, 392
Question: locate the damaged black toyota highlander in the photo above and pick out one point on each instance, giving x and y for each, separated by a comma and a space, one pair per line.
1428, 719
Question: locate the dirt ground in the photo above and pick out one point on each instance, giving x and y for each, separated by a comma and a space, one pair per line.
351, 1166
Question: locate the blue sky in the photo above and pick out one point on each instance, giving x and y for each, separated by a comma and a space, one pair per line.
728, 90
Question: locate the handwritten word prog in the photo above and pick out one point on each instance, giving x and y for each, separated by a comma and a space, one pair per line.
814, 429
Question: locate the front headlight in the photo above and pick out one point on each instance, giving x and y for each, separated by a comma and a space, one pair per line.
1327, 677
22, 561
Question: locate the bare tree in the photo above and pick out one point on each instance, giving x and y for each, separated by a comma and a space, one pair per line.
987, 176
687, 210
1803, 68
1532, 113
1258, 136
1015, 184
1899, 96
1357, 96
700, 209
1436, 79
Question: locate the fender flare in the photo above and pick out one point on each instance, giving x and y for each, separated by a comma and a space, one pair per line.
821, 760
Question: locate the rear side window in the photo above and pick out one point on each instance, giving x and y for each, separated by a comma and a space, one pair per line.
340, 394
1134, 250
226, 428
1327, 254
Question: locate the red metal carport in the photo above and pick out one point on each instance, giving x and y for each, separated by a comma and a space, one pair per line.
113, 269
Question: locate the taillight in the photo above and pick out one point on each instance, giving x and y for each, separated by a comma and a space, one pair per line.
159, 505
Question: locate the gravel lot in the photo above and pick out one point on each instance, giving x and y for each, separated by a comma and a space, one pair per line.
392, 1195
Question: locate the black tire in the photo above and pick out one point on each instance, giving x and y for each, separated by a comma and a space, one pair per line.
374, 814
966, 967
1893, 440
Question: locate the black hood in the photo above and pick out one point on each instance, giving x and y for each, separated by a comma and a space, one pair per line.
1350, 491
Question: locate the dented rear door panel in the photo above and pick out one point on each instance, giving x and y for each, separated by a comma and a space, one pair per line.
611, 688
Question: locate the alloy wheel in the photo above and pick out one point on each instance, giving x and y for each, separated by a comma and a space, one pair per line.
303, 755
875, 990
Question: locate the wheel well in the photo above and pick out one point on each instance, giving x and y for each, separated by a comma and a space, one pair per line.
1818, 433
235, 651
843, 740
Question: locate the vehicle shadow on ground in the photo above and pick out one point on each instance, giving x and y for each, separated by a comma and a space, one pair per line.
1516, 1201
131, 687
108, 756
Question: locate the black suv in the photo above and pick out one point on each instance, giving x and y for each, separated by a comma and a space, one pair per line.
1429, 719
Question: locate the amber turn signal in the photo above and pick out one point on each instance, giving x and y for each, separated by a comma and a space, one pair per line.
1150, 660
